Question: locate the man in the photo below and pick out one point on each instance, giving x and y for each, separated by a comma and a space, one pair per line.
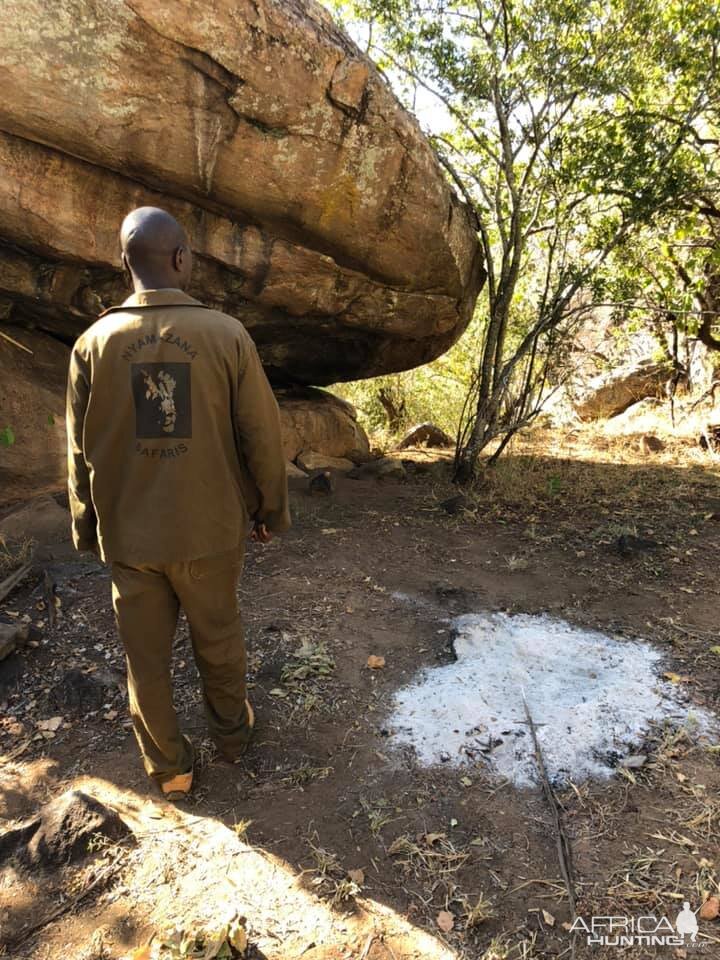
173, 446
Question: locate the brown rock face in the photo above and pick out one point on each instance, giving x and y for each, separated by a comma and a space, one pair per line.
316, 420
611, 395
33, 373
319, 214
32, 404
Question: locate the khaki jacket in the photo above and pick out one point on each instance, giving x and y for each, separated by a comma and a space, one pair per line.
173, 433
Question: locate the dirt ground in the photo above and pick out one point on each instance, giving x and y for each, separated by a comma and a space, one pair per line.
326, 841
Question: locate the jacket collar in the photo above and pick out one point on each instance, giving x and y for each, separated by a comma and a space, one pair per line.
170, 297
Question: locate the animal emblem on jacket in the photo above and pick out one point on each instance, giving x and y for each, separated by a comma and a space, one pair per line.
163, 392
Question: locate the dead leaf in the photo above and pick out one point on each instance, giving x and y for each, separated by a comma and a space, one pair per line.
675, 677
278, 692
548, 918
237, 936
375, 662
445, 921
431, 838
357, 876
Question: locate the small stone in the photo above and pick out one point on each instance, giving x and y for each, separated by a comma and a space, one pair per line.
321, 483
62, 831
294, 472
386, 468
455, 505
634, 761
710, 909
310, 460
649, 443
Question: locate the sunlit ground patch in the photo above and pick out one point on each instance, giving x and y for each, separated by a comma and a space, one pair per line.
593, 699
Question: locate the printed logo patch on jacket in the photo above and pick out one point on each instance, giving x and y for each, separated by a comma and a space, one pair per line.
162, 400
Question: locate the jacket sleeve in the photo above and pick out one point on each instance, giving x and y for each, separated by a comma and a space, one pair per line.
84, 521
259, 439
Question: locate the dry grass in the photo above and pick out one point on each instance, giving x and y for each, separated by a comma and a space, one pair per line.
433, 861
14, 554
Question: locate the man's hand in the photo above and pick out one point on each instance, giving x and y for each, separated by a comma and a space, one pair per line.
260, 533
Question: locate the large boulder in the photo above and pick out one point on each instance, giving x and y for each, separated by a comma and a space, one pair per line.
317, 420
319, 213
608, 396
33, 372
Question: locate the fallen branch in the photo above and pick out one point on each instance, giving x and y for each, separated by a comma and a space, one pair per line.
562, 843
9, 583
15, 343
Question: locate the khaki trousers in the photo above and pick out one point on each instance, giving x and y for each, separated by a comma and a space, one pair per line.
147, 600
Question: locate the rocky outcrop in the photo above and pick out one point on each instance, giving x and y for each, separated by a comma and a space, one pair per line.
317, 420
319, 213
33, 372
426, 435
608, 396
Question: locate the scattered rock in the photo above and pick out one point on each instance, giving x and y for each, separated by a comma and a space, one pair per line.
609, 395
41, 520
81, 693
426, 435
375, 662
294, 472
629, 546
649, 443
311, 460
445, 921
437, 470
61, 831
386, 468
13, 636
455, 505
710, 910
322, 483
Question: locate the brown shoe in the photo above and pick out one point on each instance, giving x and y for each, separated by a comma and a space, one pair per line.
178, 788
238, 755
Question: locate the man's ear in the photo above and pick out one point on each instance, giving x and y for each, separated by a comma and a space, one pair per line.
179, 259
126, 269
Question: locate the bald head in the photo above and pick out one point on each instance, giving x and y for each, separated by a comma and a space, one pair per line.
155, 249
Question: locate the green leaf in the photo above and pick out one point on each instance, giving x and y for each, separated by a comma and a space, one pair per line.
7, 437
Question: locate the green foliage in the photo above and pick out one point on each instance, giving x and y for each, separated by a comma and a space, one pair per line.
434, 392
7, 437
585, 136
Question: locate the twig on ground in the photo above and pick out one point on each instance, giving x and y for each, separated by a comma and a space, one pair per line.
9, 583
561, 840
